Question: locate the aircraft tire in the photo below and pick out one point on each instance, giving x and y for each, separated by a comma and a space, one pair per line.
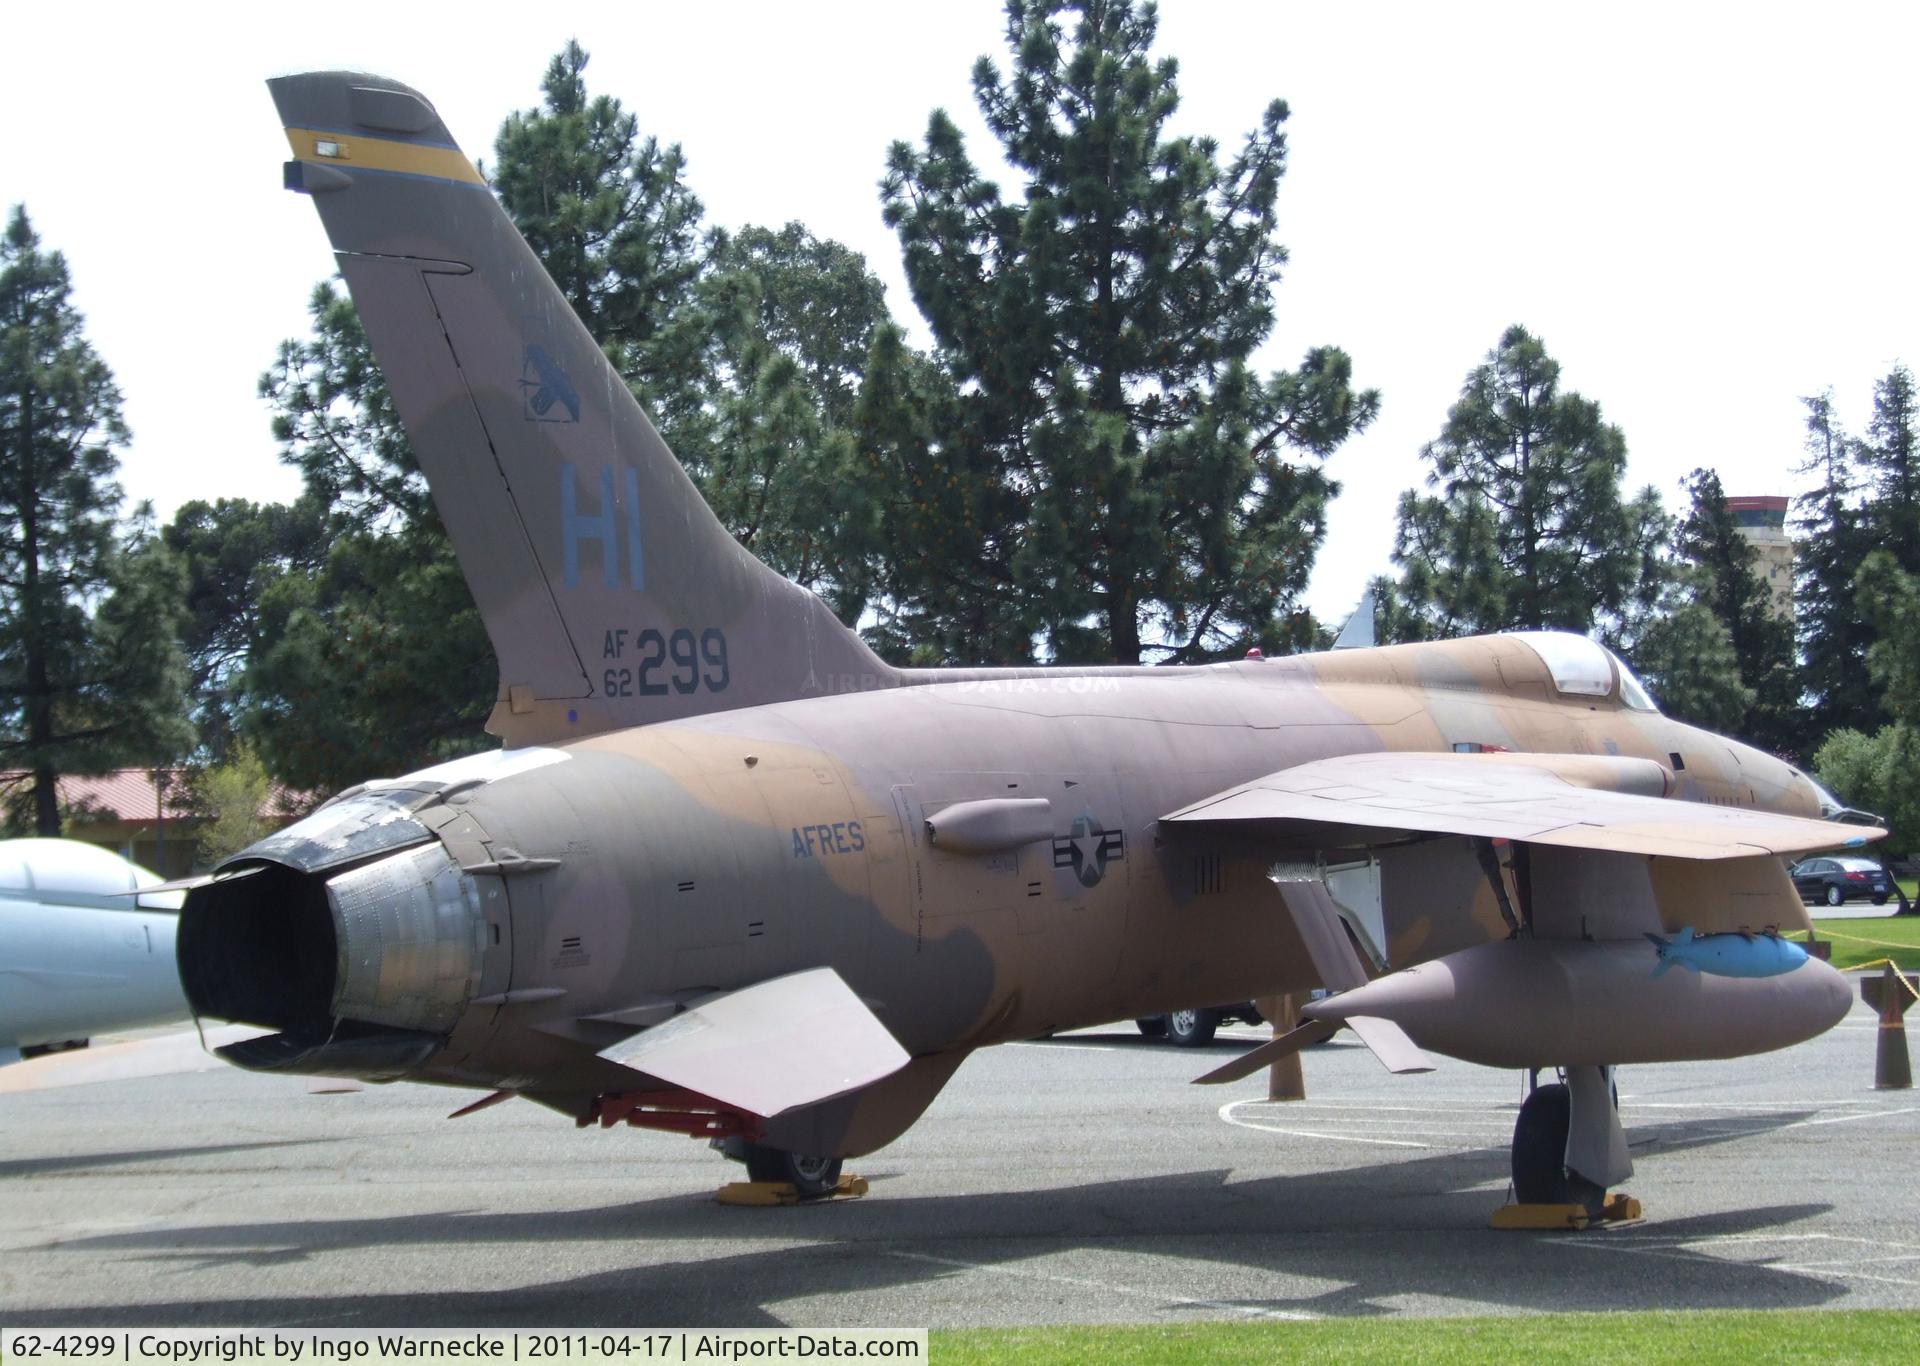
811, 1177
1540, 1175
1152, 1026
1192, 1028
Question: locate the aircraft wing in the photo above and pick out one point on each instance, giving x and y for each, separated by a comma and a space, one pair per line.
1562, 799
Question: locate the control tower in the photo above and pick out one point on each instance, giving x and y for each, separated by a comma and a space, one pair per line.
1763, 521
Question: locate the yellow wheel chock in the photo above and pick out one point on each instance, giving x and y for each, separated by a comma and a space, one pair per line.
1616, 1209
783, 1192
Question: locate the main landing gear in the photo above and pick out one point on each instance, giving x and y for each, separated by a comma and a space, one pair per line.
1568, 1148
1540, 1172
810, 1177
778, 1177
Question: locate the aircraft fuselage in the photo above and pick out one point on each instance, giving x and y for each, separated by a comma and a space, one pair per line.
590, 889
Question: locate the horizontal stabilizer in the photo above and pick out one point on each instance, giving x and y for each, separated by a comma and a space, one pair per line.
1580, 801
770, 1047
164, 1056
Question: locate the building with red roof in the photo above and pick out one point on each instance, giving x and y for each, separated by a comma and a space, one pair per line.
143, 814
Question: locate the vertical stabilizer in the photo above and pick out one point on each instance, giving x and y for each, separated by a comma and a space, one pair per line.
612, 594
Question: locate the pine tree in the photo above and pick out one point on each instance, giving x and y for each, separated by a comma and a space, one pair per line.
369, 657
376, 663
794, 318
1890, 456
90, 676
611, 217
1833, 543
232, 552
1686, 658
1095, 327
1730, 587
1880, 772
950, 528
1530, 529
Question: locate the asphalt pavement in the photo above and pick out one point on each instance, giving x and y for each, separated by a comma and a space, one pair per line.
1079, 1180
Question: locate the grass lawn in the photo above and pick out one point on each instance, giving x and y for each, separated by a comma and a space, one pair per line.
1698, 1336
1866, 941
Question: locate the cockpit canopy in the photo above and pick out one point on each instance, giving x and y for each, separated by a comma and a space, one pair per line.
49, 867
1581, 667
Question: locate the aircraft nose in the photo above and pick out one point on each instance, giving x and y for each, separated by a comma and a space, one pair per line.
1833, 809
1776, 784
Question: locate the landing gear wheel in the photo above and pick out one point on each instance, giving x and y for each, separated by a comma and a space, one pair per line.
810, 1177
1540, 1175
1192, 1028
1836, 897
1152, 1026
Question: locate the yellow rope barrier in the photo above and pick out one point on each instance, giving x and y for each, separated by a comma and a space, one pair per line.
1898, 975
1856, 939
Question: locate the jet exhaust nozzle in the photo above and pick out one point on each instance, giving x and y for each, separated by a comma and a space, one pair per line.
355, 935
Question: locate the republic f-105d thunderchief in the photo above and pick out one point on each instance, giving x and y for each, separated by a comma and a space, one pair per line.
732, 875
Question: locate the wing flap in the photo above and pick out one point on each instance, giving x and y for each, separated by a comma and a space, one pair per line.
771, 1047
1540, 798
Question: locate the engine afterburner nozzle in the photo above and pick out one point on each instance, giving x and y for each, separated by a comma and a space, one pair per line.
409, 935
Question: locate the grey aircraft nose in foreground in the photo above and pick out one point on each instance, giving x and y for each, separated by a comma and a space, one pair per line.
86, 946
733, 875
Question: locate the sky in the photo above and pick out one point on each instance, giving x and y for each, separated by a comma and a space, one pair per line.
1705, 211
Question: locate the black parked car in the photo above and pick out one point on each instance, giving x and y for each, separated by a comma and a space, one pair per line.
1837, 881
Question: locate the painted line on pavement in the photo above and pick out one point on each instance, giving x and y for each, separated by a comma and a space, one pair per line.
1226, 1113
1111, 1287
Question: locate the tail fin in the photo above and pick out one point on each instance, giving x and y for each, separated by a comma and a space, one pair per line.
612, 595
1664, 950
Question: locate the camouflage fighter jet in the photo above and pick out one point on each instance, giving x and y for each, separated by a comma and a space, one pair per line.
732, 875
